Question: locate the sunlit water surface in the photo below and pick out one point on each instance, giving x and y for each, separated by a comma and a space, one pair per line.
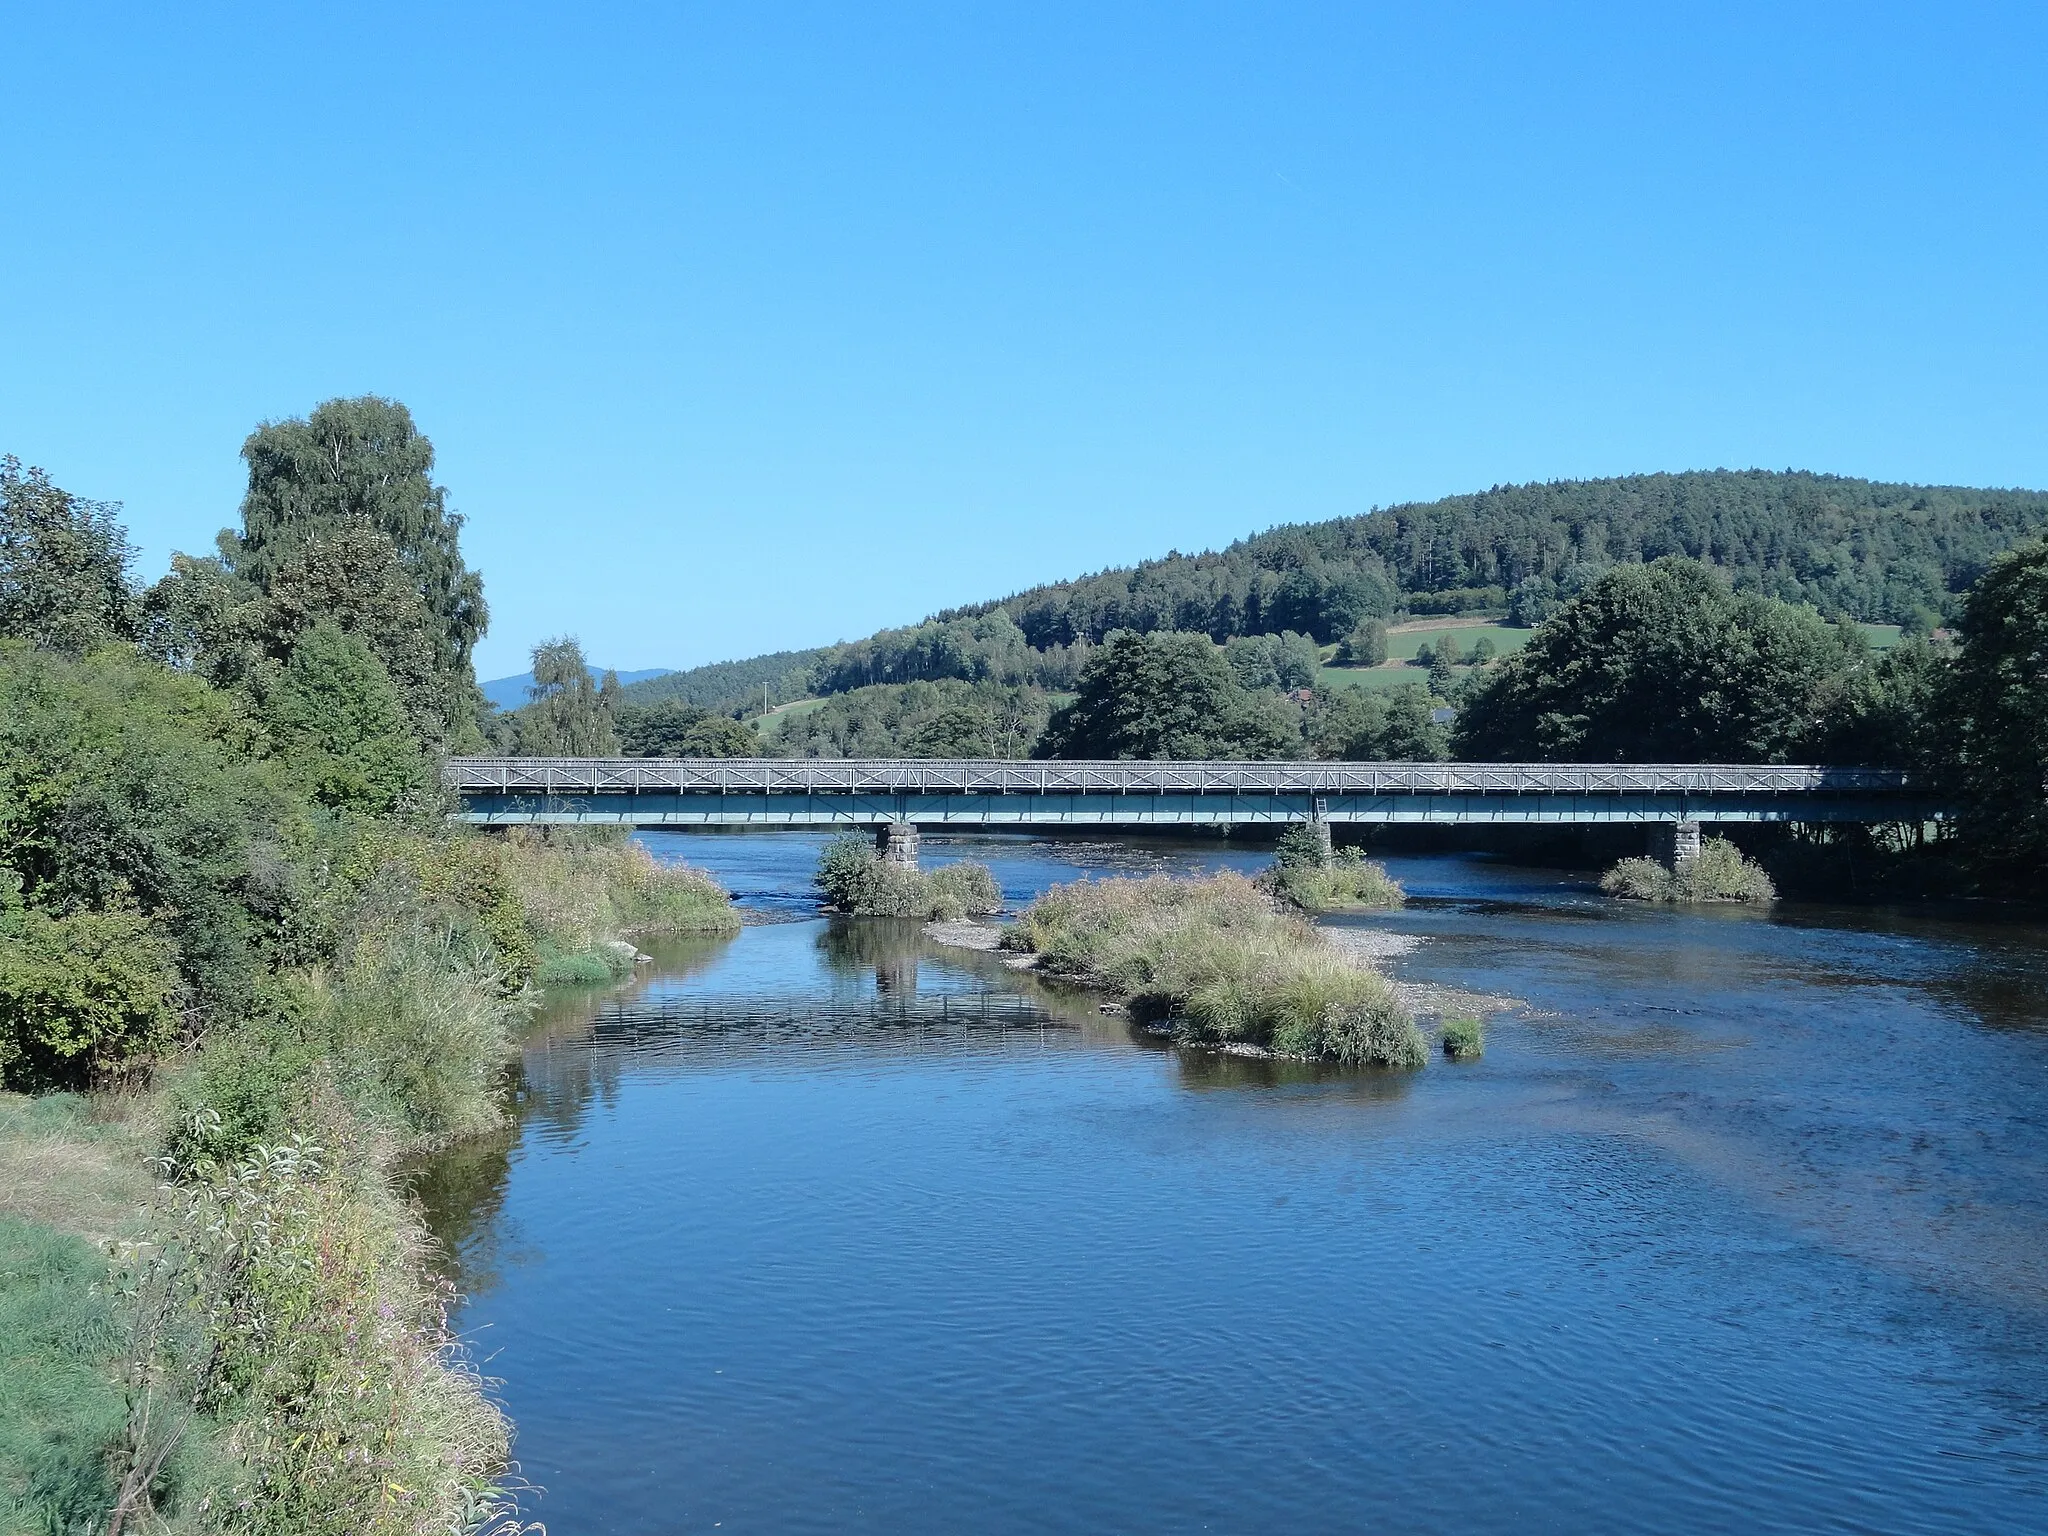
1740, 1225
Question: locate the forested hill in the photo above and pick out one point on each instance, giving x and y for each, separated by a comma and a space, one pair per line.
1877, 552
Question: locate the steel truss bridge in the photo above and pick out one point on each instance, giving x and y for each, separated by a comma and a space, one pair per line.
932, 793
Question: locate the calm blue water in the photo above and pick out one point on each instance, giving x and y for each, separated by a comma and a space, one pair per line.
1740, 1225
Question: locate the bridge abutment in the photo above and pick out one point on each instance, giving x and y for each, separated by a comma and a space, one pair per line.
1671, 841
896, 842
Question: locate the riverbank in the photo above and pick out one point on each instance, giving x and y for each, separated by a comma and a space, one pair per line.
180, 1256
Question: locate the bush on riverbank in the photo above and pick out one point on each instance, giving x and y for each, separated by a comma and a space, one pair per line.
858, 881
1719, 872
1217, 958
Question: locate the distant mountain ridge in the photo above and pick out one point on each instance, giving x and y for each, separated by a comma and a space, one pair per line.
1877, 552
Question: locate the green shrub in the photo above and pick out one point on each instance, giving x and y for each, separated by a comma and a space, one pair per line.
122, 782
1348, 880
1219, 959
82, 996
856, 880
1300, 847
1717, 873
1464, 1039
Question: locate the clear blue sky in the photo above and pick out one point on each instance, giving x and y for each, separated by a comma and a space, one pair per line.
749, 326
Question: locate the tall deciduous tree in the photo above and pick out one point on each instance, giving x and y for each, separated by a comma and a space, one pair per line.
1663, 663
362, 463
63, 565
570, 714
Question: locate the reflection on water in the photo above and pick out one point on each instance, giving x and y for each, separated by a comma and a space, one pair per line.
1740, 1224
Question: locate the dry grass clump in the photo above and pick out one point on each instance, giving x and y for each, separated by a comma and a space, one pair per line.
1718, 872
1217, 958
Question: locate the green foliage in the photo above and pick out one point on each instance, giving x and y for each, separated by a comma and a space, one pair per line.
1852, 547
121, 782
570, 714
81, 994
339, 722
855, 880
1365, 646
1348, 880
1464, 1039
63, 565
924, 719
1166, 695
1223, 963
327, 1345
1281, 661
362, 462
726, 685
1372, 725
672, 728
589, 968
1663, 663
581, 890
2000, 701
1300, 847
1719, 872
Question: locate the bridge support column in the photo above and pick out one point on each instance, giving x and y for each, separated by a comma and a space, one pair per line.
896, 841
1671, 841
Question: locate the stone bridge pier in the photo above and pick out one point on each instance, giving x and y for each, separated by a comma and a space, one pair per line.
896, 842
1671, 841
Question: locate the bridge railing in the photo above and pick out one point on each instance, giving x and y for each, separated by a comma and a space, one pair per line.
979, 776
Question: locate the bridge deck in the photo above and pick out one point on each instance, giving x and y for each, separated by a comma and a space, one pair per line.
776, 791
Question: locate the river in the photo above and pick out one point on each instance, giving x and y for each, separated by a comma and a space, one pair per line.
1741, 1224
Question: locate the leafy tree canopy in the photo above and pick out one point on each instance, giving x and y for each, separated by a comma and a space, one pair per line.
337, 718
570, 714
63, 565
672, 728
1166, 695
2000, 704
1663, 663
360, 461
126, 785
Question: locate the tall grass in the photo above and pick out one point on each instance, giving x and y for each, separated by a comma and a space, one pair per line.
581, 891
1216, 957
327, 1366
60, 1407
1718, 872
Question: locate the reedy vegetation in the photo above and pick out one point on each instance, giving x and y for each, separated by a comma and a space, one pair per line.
1221, 964
856, 881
